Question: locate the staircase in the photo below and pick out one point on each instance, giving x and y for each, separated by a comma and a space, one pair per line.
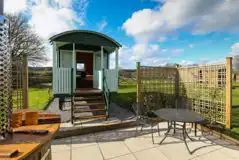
88, 105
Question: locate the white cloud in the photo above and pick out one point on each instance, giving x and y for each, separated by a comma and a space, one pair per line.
15, 6
64, 3
50, 17
235, 49
162, 39
146, 54
142, 51
186, 63
191, 45
102, 24
197, 16
226, 39
177, 51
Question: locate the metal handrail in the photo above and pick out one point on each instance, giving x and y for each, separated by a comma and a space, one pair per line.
106, 91
72, 97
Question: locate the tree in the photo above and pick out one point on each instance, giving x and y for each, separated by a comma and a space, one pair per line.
24, 41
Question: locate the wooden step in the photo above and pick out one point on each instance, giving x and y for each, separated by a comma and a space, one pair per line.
88, 98
83, 93
91, 117
89, 104
88, 110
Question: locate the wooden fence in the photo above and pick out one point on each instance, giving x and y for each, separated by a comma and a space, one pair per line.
205, 89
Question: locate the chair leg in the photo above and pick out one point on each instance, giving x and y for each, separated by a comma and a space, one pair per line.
195, 129
158, 129
174, 127
136, 130
152, 133
141, 128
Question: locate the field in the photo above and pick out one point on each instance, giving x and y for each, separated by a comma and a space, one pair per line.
38, 97
127, 96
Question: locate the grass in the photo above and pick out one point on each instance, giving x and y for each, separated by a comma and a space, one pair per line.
127, 96
38, 98
235, 110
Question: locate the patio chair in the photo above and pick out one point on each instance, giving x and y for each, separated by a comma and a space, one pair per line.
145, 117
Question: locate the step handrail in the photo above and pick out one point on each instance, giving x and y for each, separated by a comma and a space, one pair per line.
106, 91
72, 97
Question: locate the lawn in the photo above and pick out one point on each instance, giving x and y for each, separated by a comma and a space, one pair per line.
38, 98
235, 110
127, 96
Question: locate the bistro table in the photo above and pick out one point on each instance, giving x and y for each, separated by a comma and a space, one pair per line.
179, 115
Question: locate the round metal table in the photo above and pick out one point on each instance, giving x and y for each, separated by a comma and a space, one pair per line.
179, 115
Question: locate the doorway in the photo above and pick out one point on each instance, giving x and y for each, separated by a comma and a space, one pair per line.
84, 70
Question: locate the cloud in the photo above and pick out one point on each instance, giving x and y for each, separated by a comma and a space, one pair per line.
15, 6
64, 3
185, 63
177, 51
235, 49
162, 39
197, 17
142, 51
226, 39
147, 54
102, 24
191, 45
50, 17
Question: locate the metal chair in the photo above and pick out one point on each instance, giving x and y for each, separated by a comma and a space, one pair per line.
145, 117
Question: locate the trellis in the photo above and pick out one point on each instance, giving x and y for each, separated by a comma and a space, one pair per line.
20, 82
205, 89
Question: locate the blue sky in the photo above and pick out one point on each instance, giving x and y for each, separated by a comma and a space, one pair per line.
154, 32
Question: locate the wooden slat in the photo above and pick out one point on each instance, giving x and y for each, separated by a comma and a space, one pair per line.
88, 104
87, 110
112, 79
88, 98
91, 117
62, 81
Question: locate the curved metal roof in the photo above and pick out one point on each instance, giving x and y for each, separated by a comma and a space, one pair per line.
85, 37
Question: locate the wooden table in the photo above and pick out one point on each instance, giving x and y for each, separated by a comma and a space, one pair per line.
31, 147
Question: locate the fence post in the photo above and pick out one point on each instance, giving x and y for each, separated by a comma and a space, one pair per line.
138, 83
228, 92
176, 86
25, 81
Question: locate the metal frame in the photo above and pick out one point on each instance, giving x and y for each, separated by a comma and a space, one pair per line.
185, 134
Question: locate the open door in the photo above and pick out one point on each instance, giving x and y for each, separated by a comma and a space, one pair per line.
84, 70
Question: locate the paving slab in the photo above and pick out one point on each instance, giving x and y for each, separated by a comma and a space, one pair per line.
113, 149
121, 144
87, 153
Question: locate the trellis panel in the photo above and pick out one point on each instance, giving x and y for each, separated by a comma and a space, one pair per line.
200, 88
157, 87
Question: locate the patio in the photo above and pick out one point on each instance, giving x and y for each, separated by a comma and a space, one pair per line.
122, 144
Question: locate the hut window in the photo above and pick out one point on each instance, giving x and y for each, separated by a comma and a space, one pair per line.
80, 66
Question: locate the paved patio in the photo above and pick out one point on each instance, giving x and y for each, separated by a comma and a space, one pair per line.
123, 145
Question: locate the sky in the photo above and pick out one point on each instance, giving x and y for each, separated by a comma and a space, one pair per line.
154, 32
